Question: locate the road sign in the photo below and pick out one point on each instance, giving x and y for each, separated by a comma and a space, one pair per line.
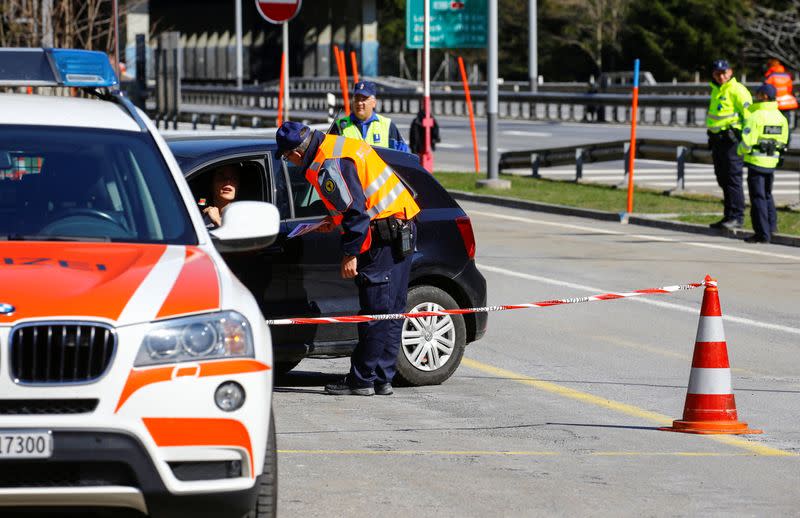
454, 24
278, 11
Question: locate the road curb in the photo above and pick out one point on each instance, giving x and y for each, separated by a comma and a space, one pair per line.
646, 221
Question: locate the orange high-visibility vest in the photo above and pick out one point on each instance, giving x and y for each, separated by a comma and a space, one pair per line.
782, 81
385, 194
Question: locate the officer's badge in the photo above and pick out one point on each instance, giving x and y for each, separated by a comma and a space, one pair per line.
746, 131
344, 123
329, 186
719, 107
376, 138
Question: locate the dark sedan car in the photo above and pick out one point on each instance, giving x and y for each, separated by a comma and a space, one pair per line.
299, 277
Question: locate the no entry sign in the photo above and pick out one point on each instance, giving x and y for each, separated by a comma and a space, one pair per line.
278, 11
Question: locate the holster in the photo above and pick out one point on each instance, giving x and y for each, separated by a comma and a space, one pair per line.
730, 135
769, 147
396, 233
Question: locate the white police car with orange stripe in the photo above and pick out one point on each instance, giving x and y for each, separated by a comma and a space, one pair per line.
135, 369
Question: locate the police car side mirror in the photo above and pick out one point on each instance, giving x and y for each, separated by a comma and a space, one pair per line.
247, 226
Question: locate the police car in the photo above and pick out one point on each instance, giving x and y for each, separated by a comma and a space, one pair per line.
135, 369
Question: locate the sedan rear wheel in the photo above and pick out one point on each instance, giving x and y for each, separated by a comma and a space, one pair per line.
431, 347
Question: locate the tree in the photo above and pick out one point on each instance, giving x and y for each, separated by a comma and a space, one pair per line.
594, 27
676, 38
84, 24
775, 32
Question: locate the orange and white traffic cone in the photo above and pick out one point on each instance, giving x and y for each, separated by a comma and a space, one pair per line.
710, 407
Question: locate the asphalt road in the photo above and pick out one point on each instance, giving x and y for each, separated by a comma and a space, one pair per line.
455, 153
555, 410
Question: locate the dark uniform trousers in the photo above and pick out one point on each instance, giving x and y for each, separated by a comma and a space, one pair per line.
382, 288
762, 206
728, 168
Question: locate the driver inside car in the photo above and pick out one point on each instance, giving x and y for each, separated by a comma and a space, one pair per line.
224, 187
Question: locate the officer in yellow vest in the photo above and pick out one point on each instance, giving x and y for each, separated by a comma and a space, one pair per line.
764, 137
729, 100
364, 124
375, 212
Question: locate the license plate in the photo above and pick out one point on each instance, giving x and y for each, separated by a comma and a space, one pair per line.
26, 444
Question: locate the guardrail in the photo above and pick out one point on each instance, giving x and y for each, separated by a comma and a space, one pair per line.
680, 151
667, 110
660, 110
389, 83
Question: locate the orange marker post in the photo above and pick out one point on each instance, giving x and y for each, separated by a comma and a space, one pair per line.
632, 155
280, 89
341, 66
471, 114
354, 64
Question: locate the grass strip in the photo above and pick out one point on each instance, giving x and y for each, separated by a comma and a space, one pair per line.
690, 208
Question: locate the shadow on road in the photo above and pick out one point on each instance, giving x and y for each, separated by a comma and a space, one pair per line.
304, 382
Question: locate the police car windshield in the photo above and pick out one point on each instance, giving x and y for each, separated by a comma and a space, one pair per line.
87, 185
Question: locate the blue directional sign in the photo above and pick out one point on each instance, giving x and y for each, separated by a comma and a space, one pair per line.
454, 24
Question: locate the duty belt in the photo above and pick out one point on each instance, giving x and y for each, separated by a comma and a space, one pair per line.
384, 229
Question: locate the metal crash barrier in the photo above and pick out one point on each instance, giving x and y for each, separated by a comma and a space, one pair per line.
665, 110
679, 151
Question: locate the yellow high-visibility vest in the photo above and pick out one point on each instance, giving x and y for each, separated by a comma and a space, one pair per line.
727, 106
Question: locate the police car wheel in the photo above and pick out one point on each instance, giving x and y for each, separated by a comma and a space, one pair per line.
266, 504
431, 347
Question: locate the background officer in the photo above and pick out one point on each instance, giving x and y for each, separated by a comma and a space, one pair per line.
777, 76
378, 240
364, 124
764, 137
729, 99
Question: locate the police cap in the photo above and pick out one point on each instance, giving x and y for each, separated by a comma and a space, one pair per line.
720, 65
291, 135
768, 90
365, 88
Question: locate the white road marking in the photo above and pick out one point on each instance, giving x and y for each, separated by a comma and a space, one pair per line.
520, 133
617, 173
647, 237
445, 145
657, 303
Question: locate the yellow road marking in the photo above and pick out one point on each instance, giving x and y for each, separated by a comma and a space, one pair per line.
623, 408
662, 352
642, 347
517, 453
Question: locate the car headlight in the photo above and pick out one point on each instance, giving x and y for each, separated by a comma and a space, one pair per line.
202, 337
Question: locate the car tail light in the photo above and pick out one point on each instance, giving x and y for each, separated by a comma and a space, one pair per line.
465, 227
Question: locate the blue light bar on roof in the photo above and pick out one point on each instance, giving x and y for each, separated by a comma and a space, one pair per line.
86, 68
56, 67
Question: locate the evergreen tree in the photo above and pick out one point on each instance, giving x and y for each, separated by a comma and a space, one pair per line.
676, 38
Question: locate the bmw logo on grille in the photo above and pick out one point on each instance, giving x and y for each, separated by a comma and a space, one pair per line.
6, 309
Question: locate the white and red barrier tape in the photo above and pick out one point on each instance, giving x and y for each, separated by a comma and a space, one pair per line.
543, 304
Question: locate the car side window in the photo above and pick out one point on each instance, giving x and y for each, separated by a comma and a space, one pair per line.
252, 181
304, 197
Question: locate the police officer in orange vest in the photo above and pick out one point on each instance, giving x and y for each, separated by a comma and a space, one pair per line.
375, 211
777, 76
